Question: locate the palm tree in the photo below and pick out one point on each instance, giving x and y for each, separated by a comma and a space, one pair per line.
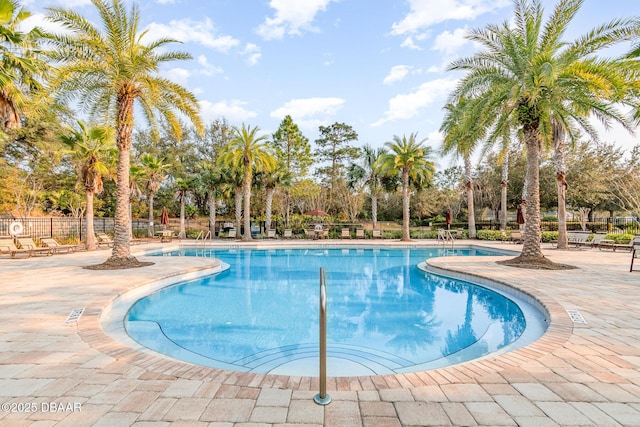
21, 66
272, 179
154, 170
211, 179
369, 174
107, 72
91, 150
526, 73
410, 159
245, 151
183, 191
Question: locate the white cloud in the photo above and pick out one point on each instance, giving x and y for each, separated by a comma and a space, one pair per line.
291, 16
306, 107
425, 13
397, 73
178, 75
208, 69
309, 113
408, 105
253, 53
234, 111
449, 43
188, 30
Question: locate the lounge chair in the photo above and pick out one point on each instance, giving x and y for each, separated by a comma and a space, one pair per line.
271, 234
377, 233
104, 240
635, 252
516, 237
577, 238
28, 243
346, 234
597, 240
7, 246
288, 234
57, 248
359, 233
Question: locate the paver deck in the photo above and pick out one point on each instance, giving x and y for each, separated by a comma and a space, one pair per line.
52, 373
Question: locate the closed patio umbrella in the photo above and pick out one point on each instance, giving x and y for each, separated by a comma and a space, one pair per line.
164, 218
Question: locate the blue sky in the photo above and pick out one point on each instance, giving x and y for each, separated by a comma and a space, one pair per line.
378, 66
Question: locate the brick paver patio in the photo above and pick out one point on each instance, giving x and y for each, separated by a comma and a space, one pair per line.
52, 373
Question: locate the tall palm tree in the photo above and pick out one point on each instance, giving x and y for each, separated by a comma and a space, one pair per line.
211, 179
154, 170
272, 179
183, 186
21, 64
245, 151
92, 148
368, 173
107, 71
526, 72
410, 159
461, 138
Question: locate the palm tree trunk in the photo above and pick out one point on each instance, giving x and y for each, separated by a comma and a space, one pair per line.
183, 232
268, 207
238, 202
90, 235
212, 214
406, 237
121, 239
151, 229
374, 212
124, 129
470, 203
531, 247
503, 193
247, 203
287, 217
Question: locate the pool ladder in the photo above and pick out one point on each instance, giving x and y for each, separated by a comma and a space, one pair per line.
323, 398
203, 237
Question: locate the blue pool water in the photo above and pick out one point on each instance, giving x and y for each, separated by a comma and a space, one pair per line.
384, 314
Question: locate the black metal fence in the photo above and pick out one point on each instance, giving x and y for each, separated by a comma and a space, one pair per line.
75, 228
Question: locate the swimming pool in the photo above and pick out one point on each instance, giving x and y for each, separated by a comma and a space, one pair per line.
384, 314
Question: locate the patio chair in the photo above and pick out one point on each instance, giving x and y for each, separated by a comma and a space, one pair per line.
28, 243
635, 252
288, 234
57, 248
271, 234
104, 240
377, 233
359, 233
7, 246
345, 234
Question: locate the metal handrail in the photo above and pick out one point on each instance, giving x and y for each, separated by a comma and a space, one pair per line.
323, 398
205, 237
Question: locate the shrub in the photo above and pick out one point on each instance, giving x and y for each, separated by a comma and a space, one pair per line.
620, 239
494, 235
549, 236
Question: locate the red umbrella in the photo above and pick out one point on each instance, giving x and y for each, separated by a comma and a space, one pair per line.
520, 213
164, 217
317, 212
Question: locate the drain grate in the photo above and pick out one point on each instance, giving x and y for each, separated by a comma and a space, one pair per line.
576, 316
74, 316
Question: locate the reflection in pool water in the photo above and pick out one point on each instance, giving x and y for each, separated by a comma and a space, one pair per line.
384, 314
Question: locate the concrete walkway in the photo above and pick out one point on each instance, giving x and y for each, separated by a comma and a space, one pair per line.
53, 373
